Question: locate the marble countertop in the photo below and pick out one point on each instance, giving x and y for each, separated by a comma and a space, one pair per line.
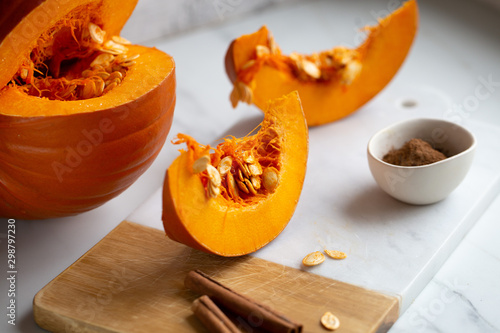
463, 296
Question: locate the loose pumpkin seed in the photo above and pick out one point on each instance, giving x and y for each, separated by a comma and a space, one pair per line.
313, 259
336, 254
330, 321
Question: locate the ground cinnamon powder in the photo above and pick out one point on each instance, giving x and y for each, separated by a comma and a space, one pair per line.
413, 153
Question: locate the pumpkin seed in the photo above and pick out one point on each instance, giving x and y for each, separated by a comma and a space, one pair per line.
96, 33
255, 182
330, 321
201, 164
104, 75
313, 259
248, 64
225, 165
115, 75
242, 186
120, 40
24, 73
270, 179
351, 72
213, 175
111, 45
255, 169
262, 50
102, 59
87, 73
89, 90
110, 87
128, 63
249, 185
244, 169
213, 191
336, 254
310, 69
99, 85
231, 186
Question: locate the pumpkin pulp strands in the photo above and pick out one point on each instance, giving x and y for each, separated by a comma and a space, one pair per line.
75, 71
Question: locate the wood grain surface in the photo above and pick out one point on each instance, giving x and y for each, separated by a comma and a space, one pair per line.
132, 281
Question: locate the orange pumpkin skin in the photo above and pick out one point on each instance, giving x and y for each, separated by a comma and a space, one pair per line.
324, 101
218, 226
61, 158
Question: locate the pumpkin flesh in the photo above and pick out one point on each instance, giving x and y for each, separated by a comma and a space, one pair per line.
228, 224
338, 82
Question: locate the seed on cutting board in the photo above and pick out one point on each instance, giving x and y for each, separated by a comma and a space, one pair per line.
330, 321
313, 259
336, 254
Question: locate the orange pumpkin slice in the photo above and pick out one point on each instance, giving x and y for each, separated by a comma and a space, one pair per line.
332, 84
83, 113
235, 198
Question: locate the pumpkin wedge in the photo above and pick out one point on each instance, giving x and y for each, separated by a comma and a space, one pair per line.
332, 84
83, 113
235, 198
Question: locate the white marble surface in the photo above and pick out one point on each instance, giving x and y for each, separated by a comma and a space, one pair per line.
445, 65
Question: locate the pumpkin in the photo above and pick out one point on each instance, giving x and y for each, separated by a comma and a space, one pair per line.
83, 112
235, 198
332, 84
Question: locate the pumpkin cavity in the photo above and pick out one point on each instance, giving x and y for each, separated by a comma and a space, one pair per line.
239, 171
75, 59
337, 64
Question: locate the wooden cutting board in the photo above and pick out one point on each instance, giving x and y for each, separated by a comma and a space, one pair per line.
132, 281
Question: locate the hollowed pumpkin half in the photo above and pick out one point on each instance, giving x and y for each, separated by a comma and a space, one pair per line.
260, 182
332, 84
67, 145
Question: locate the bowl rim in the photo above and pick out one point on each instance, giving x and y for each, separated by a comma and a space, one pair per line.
471, 148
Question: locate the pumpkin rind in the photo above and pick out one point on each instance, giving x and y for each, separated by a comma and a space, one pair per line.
215, 226
381, 55
61, 158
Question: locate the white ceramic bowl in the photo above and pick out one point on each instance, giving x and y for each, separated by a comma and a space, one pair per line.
426, 184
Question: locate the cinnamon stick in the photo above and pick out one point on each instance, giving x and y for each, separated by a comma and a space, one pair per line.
251, 311
214, 320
